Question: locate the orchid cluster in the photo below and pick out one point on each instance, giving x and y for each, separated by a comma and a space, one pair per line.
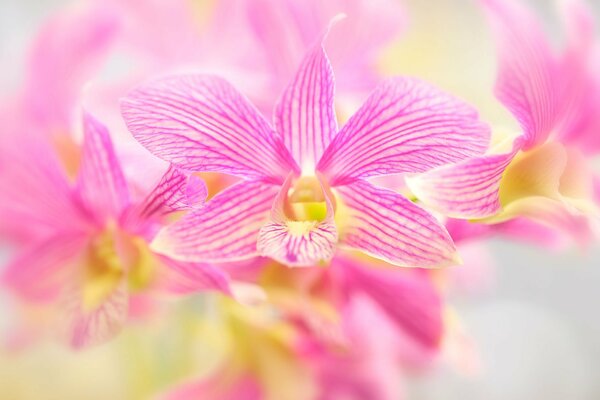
243, 172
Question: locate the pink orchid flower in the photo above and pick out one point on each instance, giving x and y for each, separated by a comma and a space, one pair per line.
305, 184
283, 30
402, 310
87, 253
311, 329
545, 176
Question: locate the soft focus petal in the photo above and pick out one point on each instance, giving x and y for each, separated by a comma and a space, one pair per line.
85, 328
69, 48
183, 277
297, 243
465, 190
201, 123
37, 200
305, 115
528, 72
581, 60
100, 181
39, 272
225, 229
405, 126
408, 297
215, 388
386, 225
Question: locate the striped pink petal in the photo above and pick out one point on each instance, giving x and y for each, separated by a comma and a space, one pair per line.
297, 243
201, 123
175, 191
406, 125
527, 72
225, 229
305, 116
386, 225
88, 328
469, 189
100, 181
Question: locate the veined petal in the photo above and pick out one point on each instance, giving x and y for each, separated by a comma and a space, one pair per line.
201, 123
527, 72
469, 189
405, 125
305, 116
408, 297
388, 226
100, 181
85, 328
297, 243
225, 229
175, 191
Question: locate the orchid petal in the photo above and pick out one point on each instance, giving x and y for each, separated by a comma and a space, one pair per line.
175, 191
38, 273
305, 116
297, 243
469, 189
84, 328
408, 297
201, 123
68, 49
386, 225
580, 62
100, 181
44, 202
528, 71
182, 277
225, 229
218, 387
405, 126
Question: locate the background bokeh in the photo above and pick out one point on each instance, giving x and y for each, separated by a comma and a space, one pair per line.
536, 327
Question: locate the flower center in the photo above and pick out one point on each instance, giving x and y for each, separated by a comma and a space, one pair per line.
111, 257
306, 200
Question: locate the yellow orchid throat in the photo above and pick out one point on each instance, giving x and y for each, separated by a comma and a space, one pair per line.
306, 201
114, 258
548, 173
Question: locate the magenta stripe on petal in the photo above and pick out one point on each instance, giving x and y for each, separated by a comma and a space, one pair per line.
390, 227
225, 229
405, 126
465, 190
305, 115
175, 191
100, 181
83, 329
201, 123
